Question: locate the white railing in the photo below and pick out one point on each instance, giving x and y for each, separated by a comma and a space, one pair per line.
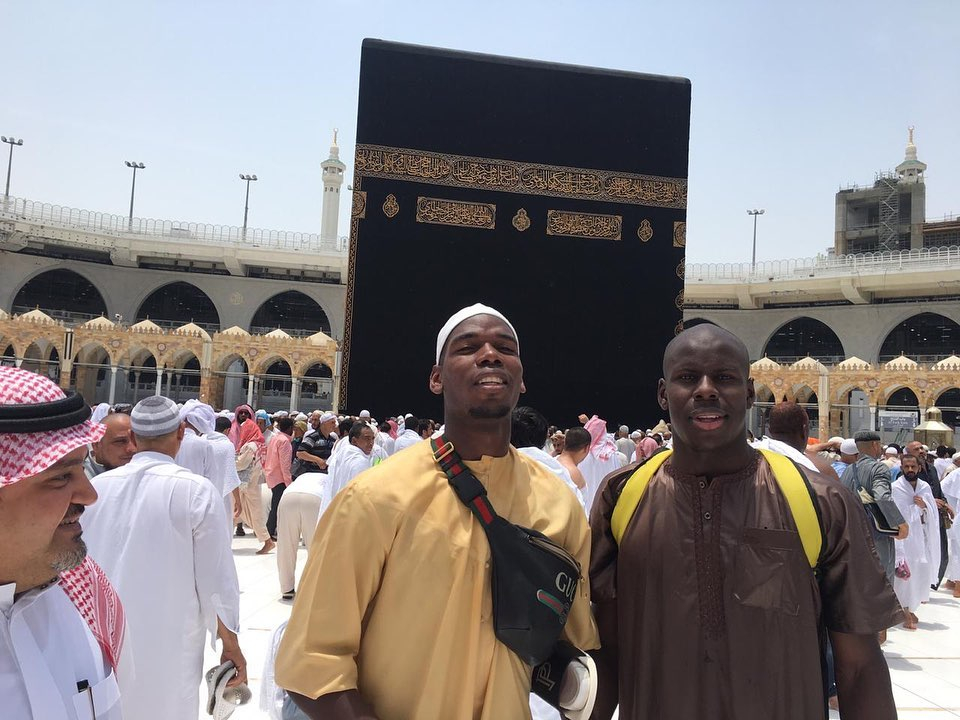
943, 258
170, 230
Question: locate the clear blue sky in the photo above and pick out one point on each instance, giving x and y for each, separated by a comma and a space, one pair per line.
790, 100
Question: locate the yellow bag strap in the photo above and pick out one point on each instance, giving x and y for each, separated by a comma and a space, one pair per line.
632, 491
789, 479
794, 487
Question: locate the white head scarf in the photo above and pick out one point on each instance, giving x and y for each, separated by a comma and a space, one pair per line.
469, 312
200, 415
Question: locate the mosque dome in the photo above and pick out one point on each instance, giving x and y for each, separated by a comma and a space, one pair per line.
950, 363
146, 326
278, 334
901, 363
192, 329
38, 316
319, 338
99, 323
765, 363
236, 330
808, 363
854, 363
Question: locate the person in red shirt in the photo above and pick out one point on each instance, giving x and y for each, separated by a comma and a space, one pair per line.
276, 468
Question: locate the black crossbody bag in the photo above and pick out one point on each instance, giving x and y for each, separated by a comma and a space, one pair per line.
534, 580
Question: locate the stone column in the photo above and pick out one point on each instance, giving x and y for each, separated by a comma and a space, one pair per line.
873, 416
169, 382
250, 383
823, 405
159, 388
113, 384
66, 368
294, 393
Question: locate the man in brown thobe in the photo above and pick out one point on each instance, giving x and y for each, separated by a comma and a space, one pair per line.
708, 607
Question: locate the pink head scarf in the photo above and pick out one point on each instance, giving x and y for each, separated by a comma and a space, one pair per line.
234, 433
394, 428
601, 447
29, 400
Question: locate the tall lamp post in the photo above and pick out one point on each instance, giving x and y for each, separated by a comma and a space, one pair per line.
11, 141
753, 257
246, 200
133, 187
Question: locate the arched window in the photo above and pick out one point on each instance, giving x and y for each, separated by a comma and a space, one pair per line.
60, 291
178, 303
293, 312
801, 337
927, 335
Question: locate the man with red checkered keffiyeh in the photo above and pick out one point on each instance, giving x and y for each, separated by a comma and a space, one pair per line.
61, 625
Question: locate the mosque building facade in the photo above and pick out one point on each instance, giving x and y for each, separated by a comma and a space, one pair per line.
865, 335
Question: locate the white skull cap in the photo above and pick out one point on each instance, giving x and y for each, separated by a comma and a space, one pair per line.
469, 312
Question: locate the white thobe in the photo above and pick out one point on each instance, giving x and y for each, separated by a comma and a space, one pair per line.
350, 462
406, 439
594, 470
157, 531
194, 454
781, 448
921, 549
554, 466
46, 648
385, 441
951, 491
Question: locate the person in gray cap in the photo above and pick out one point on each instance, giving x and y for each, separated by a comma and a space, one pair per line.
874, 477
158, 531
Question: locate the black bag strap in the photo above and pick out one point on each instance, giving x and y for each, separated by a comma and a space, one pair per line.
471, 491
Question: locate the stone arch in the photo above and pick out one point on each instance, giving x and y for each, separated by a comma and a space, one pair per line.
262, 364
229, 380
948, 400
693, 322
9, 355
900, 396
293, 311
919, 335
317, 384
177, 303
802, 336
60, 290
185, 375
90, 372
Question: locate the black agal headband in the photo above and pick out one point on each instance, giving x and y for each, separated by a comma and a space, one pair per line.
41, 417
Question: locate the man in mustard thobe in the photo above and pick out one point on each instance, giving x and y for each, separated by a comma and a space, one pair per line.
393, 618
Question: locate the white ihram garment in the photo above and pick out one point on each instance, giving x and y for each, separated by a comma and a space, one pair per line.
951, 491
921, 549
406, 439
349, 462
594, 470
554, 466
157, 531
45, 647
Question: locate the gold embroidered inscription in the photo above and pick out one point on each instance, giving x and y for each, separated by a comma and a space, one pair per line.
645, 231
437, 211
679, 301
678, 328
359, 209
585, 225
390, 206
521, 221
679, 234
520, 177
681, 269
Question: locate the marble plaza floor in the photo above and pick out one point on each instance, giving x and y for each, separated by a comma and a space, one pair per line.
924, 665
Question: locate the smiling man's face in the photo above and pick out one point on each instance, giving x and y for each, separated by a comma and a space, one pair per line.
706, 388
40, 528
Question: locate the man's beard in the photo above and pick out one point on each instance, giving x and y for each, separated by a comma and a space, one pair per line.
489, 413
69, 559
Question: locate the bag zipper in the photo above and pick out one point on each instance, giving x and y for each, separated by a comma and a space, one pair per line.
554, 549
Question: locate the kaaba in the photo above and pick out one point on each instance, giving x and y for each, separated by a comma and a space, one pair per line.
554, 193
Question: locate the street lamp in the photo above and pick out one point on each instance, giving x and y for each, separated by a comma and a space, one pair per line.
11, 141
246, 201
753, 258
133, 187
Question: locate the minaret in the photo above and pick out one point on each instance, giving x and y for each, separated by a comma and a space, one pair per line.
910, 171
332, 180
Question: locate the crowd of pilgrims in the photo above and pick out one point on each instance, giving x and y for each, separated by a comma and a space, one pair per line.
315, 455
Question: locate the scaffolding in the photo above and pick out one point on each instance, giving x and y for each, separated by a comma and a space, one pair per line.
889, 231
